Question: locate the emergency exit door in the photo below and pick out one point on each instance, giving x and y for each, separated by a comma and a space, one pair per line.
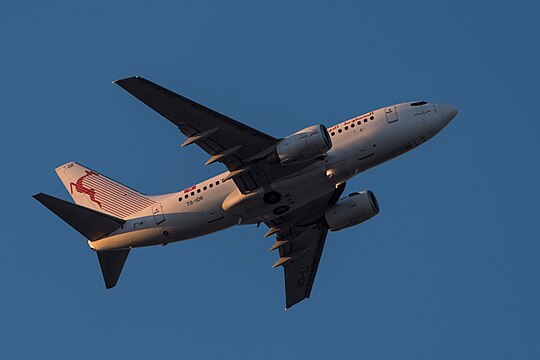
391, 114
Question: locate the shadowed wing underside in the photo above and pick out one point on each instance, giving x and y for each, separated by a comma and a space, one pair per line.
300, 240
228, 141
300, 257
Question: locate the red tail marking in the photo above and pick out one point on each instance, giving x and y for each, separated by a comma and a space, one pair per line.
84, 190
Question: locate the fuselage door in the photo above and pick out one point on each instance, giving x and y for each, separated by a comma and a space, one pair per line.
391, 114
158, 213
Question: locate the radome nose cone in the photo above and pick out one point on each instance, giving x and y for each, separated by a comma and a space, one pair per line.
448, 112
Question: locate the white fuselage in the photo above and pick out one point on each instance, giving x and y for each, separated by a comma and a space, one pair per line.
212, 205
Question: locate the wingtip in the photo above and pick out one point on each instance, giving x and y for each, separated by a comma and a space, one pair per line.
127, 78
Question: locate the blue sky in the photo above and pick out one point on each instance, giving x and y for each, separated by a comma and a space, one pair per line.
449, 268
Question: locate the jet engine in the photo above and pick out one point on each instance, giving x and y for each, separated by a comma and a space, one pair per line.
302, 146
352, 210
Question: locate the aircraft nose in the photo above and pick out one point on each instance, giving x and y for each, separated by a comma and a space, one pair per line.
448, 112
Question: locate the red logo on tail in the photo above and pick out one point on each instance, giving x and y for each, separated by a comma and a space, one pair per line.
84, 190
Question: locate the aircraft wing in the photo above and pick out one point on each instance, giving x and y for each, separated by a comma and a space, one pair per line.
300, 259
300, 240
226, 140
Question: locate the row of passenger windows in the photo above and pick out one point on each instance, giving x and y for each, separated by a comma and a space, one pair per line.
211, 185
204, 188
352, 125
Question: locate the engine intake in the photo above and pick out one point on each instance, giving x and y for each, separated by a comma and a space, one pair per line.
352, 210
304, 145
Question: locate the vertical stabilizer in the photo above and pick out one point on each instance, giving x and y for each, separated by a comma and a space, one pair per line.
96, 191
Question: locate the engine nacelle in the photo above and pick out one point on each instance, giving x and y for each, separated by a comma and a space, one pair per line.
303, 145
352, 210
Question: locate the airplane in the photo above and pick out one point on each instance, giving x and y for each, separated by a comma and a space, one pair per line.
294, 185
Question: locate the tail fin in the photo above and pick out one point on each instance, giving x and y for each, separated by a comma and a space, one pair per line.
96, 191
93, 225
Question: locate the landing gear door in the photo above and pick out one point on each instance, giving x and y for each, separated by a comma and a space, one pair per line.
391, 114
158, 213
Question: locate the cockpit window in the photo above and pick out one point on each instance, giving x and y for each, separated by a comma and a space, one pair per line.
420, 103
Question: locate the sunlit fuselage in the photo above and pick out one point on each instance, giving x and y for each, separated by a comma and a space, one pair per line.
212, 205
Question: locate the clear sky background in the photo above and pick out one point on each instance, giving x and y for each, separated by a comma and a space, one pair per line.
448, 270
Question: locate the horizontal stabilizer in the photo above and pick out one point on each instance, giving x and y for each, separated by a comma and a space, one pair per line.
112, 263
92, 224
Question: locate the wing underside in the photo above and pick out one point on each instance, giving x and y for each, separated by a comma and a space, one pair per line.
300, 240
228, 141
304, 251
